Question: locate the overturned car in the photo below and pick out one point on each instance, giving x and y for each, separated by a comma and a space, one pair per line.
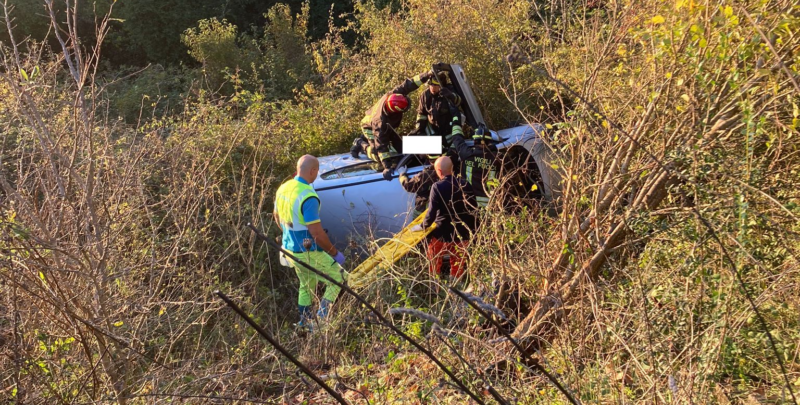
359, 205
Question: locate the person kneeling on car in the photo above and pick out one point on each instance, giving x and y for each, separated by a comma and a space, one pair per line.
379, 139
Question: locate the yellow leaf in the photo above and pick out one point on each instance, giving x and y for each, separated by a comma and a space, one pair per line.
41, 275
679, 82
616, 138
548, 126
728, 10
679, 4
657, 19
685, 97
703, 43
534, 187
605, 124
668, 75
118, 323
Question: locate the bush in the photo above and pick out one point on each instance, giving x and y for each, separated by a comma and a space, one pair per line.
150, 94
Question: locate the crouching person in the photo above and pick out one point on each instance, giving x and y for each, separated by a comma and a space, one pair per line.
450, 207
297, 213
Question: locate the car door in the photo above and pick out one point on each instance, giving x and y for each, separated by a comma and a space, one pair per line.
358, 205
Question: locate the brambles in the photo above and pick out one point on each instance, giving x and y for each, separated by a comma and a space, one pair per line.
113, 233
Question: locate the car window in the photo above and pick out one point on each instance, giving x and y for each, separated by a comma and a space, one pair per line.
410, 161
361, 169
333, 174
367, 168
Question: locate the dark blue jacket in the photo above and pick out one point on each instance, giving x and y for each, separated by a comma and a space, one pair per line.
450, 207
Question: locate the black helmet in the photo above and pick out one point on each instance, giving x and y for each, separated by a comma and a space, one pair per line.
482, 135
439, 79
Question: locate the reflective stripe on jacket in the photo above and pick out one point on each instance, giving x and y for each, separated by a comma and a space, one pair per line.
380, 126
479, 167
441, 112
289, 205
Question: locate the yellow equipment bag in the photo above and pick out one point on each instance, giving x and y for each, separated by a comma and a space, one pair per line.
389, 253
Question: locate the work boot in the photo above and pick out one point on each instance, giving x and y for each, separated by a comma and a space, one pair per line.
305, 317
357, 148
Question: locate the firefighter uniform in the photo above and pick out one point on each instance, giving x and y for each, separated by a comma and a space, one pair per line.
379, 127
438, 114
420, 185
479, 166
450, 206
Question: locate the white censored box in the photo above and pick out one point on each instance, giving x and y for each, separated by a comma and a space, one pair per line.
422, 145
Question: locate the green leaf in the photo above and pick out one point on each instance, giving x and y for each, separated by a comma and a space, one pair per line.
24, 74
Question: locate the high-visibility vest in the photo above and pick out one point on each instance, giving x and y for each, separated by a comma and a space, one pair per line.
289, 204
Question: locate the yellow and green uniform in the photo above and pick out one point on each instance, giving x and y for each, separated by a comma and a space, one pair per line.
297, 205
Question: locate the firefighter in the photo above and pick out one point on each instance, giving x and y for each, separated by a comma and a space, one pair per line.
297, 214
450, 206
479, 163
420, 184
437, 112
380, 140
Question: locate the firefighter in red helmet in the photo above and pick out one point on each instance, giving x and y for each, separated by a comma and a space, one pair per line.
379, 139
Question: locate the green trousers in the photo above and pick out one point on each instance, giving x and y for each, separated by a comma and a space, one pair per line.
308, 279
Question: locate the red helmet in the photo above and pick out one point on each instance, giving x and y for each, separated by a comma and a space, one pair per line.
397, 103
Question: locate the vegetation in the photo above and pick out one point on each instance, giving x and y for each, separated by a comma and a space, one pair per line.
139, 137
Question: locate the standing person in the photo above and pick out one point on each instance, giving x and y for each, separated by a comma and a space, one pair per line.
379, 139
437, 112
479, 164
449, 207
420, 184
297, 213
